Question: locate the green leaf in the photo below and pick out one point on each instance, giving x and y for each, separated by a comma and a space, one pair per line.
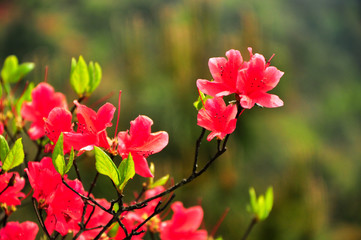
1, 91
199, 104
79, 76
58, 156
126, 171
10, 66
219, 238
106, 166
253, 200
15, 156
160, 182
70, 161
4, 148
95, 73
25, 97
21, 72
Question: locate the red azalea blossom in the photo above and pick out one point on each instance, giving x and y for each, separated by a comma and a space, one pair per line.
44, 180
44, 99
91, 127
10, 194
141, 143
19, 231
249, 80
65, 208
184, 224
218, 118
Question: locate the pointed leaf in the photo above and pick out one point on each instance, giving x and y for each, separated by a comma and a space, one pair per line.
79, 77
199, 104
261, 213
21, 72
126, 171
160, 182
106, 166
96, 75
58, 156
15, 156
253, 200
10, 66
70, 161
4, 148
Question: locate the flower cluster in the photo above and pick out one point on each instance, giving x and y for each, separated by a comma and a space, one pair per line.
249, 81
62, 205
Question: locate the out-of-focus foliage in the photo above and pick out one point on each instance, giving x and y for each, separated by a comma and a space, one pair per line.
309, 150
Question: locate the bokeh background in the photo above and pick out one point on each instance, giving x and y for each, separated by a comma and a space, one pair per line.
309, 150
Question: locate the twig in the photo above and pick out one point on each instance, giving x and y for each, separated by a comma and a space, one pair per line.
40, 218
249, 229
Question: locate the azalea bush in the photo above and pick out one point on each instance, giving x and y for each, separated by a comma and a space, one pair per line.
64, 133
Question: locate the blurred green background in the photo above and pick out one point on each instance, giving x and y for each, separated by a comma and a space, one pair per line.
309, 150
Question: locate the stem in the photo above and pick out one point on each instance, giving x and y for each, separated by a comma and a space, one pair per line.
40, 218
249, 229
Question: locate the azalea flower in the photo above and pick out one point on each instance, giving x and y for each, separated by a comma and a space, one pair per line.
91, 129
44, 180
141, 143
10, 193
218, 118
44, 99
184, 224
250, 81
19, 231
65, 208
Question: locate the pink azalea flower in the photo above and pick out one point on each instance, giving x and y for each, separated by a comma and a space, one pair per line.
141, 143
44, 180
98, 218
44, 99
19, 231
218, 118
91, 127
65, 208
184, 224
249, 80
10, 196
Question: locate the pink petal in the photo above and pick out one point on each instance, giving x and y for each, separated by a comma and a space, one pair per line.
271, 77
59, 120
267, 100
213, 88
186, 219
246, 102
104, 116
141, 166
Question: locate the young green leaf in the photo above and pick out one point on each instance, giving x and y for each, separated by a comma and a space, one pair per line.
15, 156
79, 76
160, 182
70, 161
95, 73
58, 156
106, 166
4, 148
199, 103
21, 72
126, 171
10, 66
